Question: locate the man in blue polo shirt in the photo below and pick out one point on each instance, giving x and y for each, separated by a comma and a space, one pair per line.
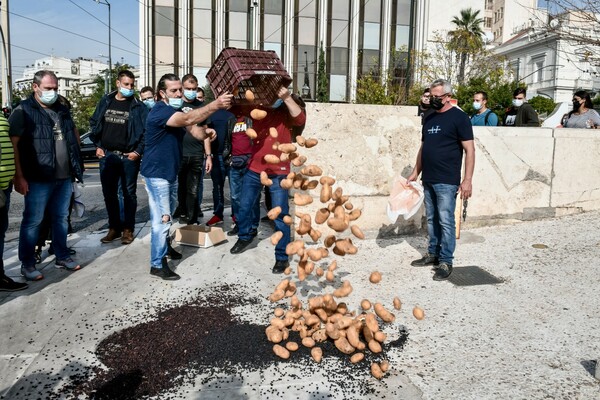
483, 116
445, 135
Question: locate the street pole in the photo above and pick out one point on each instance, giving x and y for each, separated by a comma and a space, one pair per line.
109, 87
5, 56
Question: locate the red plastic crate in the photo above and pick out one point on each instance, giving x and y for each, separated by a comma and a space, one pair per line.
238, 70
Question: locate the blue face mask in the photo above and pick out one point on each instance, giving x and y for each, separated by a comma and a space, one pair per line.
149, 103
189, 94
476, 105
126, 92
277, 103
176, 103
48, 97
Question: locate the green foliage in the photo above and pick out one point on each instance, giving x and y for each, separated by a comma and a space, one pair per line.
369, 90
499, 92
542, 104
208, 94
466, 40
322, 79
386, 87
21, 94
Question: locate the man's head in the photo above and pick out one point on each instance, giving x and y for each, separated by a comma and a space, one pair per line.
125, 84
440, 94
200, 94
519, 96
147, 96
480, 101
170, 90
45, 87
425, 98
190, 87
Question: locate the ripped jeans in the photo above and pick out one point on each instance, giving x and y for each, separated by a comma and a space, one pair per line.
162, 198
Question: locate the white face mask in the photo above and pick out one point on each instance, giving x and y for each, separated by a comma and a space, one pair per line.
476, 105
48, 97
517, 102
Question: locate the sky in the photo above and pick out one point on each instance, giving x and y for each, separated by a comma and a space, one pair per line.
72, 29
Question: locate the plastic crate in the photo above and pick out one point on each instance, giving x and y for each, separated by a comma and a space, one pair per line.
238, 70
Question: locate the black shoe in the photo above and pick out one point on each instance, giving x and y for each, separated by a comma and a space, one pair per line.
200, 214
240, 246
38, 255
428, 259
174, 254
164, 272
234, 231
442, 272
280, 266
8, 285
254, 233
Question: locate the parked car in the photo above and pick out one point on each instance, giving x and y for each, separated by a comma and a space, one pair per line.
88, 149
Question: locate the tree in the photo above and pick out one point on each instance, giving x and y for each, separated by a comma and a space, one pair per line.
466, 39
21, 93
542, 104
574, 20
322, 80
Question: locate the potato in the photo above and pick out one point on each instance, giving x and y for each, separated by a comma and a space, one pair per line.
344, 322
308, 342
287, 220
277, 323
365, 304
342, 345
277, 295
289, 292
291, 346
322, 314
329, 276
301, 273
344, 290
354, 214
274, 213
315, 302
367, 333
249, 95
337, 193
319, 272
374, 346
379, 336
278, 312
375, 277
293, 247
308, 143
299, 161
251, 133
309, 185
418, 313
376, 371
315, 235
275, 146
316, 352
352, 336
283, 284
371, 322
314, 254
287, 271
356, 231
332, 266
286, 148
321, 215
384, 365
271, 159
311, 170
300, 140
325, 193
281, 351
309, 268
295, 302
273, 132
397, 303
337, 224
274, 335
329, 240
329, 303
302, 199
349, 206
286, 184
332, 331
320, 335
276, 237
323, 250
258, 114
382, 313
305, 225
356, 358
264, 179
327, 180
338, 212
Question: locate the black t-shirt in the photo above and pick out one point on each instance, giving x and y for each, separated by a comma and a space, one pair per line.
442, 137
191, 145
114, 131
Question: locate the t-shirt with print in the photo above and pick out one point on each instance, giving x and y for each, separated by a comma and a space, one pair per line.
162, 150
442, 136
114, 129
191, 145
62, 169
241, 144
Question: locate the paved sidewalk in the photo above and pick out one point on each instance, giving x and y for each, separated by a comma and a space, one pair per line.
534, 336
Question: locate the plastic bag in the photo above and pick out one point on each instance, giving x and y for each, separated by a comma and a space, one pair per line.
405, 199
78, 205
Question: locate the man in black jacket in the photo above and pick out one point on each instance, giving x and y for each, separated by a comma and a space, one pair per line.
47, 159
117, 129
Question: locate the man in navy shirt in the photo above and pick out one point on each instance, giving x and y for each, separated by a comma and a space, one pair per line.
165, 127
446, 134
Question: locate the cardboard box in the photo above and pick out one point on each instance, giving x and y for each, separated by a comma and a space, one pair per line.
199, 235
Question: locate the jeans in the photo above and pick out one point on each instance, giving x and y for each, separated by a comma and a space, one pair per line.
115, 171
4, 224
440, 201
218, 174
251, 189
189, 178
236, 178
55, 196
162, 196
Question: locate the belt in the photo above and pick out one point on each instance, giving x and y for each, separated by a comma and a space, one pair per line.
116, 152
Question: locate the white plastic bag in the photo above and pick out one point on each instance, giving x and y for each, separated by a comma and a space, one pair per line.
405, 199
78, 205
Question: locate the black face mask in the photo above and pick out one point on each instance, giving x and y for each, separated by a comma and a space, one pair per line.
436, 103
576, 105
424, 106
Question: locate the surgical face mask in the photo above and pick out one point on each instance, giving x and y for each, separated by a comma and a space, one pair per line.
277, 103
176, 103
576, 105
149, 103
436, 103
48, 97
517, 102
190, 94
126, 92
476, 105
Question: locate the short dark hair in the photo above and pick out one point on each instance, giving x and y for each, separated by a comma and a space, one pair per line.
519, 91
162, 83
126, 73
147, 89
585, 96
189, 77
427, 90
200, 90
482, 93
38, 76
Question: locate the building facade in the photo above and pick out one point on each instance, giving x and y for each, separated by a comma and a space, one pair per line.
186, 36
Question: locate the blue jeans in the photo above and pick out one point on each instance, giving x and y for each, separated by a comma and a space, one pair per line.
218, 174
115, 171
440, 201
55, 196
236, 179
251, 188
162, 197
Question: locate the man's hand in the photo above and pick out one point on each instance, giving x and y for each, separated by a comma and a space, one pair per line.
224, 101
210, 134
208, 164
133, 156
100, 152
21, 185
465, 189
413, 176
283, 93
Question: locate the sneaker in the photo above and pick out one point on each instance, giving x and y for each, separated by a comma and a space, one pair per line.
164, 272
442, 272
214, 220
234, 231
112, 234
68, 264
31, 274
280, 266
51, 251
38, 255
174, 254
127, 237
426, 260
8, 285
240, 246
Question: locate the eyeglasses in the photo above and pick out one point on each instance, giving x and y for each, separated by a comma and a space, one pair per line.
432, 97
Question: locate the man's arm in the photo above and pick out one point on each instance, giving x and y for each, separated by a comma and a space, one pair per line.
532, 117
197, 115
418, 166
209, 161
466, 188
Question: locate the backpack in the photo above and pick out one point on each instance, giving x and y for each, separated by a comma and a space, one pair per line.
487, 116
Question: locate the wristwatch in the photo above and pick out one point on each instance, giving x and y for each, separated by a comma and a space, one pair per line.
209, 155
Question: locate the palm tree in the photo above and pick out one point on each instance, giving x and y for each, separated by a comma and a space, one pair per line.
466, 39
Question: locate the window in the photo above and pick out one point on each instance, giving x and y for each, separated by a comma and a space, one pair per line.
164, 18
238, 5
488, 22
372, 10
371, 36
403, 12
489, 4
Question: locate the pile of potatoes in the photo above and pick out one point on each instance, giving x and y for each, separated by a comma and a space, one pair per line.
322, 317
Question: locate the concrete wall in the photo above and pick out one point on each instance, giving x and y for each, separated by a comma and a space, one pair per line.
520, 173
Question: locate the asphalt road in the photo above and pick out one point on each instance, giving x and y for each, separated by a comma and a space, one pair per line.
95, 216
